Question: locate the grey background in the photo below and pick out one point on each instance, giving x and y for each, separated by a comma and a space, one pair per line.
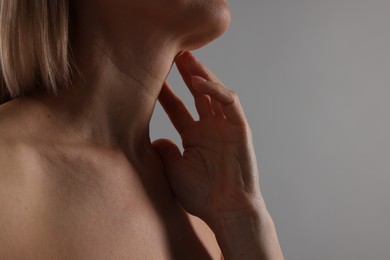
313, 77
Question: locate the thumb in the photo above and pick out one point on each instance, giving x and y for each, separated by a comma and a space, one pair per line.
169, 153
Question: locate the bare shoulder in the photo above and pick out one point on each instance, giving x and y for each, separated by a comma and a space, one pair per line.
12, 184
10, 198
10, 151
11, 141
8, 158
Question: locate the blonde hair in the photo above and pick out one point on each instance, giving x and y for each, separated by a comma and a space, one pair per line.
33, 46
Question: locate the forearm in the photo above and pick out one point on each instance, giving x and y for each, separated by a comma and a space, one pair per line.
248, 234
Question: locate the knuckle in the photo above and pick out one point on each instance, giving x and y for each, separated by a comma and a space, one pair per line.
234, 96
216, 87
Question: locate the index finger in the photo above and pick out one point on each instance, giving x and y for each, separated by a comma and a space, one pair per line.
176, 110
195, 67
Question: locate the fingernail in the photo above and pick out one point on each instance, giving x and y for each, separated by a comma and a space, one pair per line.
198, 79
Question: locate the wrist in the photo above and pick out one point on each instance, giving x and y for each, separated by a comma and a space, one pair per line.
246, 234
229, 220
256, 209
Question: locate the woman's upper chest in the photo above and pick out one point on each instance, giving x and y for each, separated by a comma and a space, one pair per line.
79, 205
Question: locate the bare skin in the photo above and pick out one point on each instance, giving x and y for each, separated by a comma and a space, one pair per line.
82, 203
61, 201
73, 206
216, 178
80, 178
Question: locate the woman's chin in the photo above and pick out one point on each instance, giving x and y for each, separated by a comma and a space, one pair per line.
209, 27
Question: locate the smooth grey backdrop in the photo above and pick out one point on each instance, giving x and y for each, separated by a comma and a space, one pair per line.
313, 77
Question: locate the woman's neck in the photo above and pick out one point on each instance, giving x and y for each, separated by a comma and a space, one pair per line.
114, 89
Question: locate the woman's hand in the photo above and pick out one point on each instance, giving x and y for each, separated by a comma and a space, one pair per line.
216, 178
217, 173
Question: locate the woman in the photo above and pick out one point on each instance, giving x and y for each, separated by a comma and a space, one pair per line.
80, 178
